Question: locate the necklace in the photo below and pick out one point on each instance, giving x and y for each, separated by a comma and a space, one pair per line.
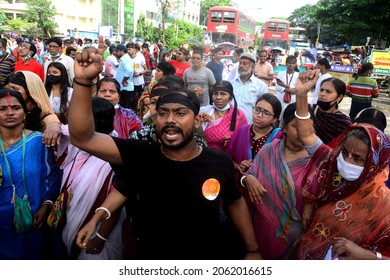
197, 153
10, 144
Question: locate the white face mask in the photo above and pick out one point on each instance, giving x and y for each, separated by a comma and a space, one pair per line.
227, 106
348, 171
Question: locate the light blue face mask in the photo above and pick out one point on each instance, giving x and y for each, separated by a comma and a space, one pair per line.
1, 53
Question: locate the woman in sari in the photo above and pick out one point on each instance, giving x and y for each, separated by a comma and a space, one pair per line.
88, 181
247, 140
277, 215
27, 166
125, 121
220, 120
345, 187
41, 116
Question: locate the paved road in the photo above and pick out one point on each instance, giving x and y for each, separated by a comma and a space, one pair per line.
382, 103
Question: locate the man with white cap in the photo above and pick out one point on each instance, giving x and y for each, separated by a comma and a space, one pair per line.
247, 88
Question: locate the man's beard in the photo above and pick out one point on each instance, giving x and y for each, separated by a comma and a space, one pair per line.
244, 73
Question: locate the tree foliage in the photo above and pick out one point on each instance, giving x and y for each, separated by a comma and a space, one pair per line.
343, 21
146, 30
42, 12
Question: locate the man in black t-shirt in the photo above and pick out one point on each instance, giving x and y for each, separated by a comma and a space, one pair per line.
182, 213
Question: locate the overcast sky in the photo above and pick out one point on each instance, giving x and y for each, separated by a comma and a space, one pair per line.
266, 9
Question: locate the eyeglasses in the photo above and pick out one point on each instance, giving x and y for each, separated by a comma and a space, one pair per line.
196, 58
53, 47
179, 53
24, 47
264, 113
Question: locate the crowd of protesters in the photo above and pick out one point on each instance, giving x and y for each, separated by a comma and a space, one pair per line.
133, 151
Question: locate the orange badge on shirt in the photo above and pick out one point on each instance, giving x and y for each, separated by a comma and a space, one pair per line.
210, 189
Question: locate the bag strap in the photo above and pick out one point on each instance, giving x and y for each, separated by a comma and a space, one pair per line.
9, 168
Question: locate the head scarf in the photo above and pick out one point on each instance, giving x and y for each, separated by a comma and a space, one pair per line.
377, 161
37, 91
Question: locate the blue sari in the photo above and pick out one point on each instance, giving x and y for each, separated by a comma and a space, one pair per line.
43, 181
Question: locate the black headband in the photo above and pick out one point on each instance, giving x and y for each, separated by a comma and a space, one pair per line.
177, 98
157, 92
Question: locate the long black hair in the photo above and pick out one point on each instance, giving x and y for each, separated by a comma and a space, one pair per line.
63, 89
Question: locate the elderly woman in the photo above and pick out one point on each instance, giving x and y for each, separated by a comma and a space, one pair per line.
346, 189
28, 169
221, 119
41, 116
125, 120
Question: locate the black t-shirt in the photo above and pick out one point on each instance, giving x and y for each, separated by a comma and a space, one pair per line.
174, 219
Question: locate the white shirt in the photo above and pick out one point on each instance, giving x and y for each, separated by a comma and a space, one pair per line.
247, 93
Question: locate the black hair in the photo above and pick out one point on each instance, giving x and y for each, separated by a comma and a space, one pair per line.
227, 87
273, 101
56, 40
33, 118
70, 49
6, 91
32, 47
372, 116
103, 115
63, 89
171, 81
364, 69
108, 79
338, 84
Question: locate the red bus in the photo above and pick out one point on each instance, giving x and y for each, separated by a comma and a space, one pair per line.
274, 34
230, 25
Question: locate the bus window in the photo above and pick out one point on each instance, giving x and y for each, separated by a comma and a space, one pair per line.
272, 26
282, 27
216, 16
229, 17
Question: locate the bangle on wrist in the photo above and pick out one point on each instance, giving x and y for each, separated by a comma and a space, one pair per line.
101, 237
82, 84
242, 181
378, 255
302, 118
104, 209
47, 202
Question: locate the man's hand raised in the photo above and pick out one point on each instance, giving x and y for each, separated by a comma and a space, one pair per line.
89, 63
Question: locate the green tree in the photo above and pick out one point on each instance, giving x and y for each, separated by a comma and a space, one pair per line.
205, 5
146, 30
18, 25
177, 33
3, 20
42, 12
345, 21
